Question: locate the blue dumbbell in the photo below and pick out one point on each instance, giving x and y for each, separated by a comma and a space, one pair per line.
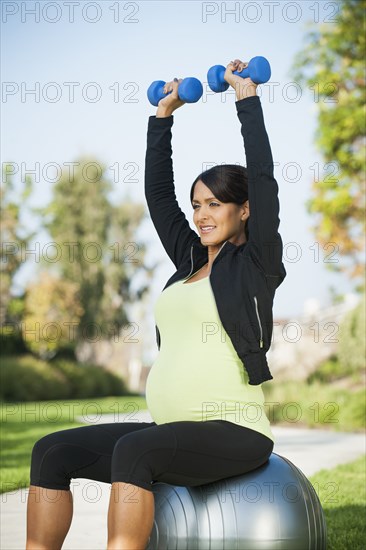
190, 90
258, 70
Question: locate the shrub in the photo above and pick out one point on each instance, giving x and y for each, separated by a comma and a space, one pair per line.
11, 338
27, 378
351, 352
349, 360
89, 380
11, 341
328, 371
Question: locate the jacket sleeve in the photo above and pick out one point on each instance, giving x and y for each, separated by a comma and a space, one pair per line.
170, 222
265, 243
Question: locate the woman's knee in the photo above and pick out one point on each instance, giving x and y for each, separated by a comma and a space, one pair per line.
128, 450
41, 447
46, 469
143, 454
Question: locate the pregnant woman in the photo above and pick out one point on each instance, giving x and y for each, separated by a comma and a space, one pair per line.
213, 327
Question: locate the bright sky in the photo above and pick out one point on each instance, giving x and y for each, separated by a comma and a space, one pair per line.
91, 64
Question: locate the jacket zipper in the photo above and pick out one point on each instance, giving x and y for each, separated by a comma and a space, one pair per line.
259, 322
192, 260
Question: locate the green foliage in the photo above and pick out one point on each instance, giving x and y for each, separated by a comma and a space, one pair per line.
329, 371
52, 308
349, 362
29, 379
316, 405
352, 340
332, 65
99, 249
89, 380
89, 284
11, 337
11, 341
14, 236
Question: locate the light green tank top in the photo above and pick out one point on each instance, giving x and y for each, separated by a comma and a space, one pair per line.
197, 374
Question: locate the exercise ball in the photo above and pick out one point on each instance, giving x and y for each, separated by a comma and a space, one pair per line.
272, 507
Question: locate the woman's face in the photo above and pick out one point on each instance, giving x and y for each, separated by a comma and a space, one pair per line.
228, 219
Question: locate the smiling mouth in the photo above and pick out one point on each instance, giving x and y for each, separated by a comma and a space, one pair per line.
207, 230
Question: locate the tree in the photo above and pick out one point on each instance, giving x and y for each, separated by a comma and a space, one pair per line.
332, 65
96, 245
52, 312
14, 237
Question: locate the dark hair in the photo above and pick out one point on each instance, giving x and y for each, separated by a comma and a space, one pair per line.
228, 183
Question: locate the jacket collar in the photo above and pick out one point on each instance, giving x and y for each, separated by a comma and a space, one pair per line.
229, 246
200, 251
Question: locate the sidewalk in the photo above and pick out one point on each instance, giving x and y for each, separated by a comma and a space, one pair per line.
310, 450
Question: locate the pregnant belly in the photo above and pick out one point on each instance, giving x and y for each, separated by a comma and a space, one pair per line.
187, 391
166, 393
202, 390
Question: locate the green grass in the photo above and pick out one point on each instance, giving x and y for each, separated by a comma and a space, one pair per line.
342, 494
22, 424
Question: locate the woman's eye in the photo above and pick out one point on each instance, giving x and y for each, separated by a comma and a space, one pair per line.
196, 205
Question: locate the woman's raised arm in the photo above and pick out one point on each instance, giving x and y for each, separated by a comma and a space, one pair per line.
264, 239
170, 222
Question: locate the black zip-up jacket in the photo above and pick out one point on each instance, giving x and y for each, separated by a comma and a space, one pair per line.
243, 278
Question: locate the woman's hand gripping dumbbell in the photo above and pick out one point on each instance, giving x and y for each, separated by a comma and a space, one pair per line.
244, 87
240, 75
171, 95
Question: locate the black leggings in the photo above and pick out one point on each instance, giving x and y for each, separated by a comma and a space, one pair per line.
185, 453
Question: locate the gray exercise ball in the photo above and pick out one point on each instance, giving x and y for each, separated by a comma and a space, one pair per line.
272, 507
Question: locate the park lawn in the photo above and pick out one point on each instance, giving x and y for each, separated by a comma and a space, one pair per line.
342, 493
22, 424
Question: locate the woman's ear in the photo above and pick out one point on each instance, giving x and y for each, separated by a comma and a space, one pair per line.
245, 210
